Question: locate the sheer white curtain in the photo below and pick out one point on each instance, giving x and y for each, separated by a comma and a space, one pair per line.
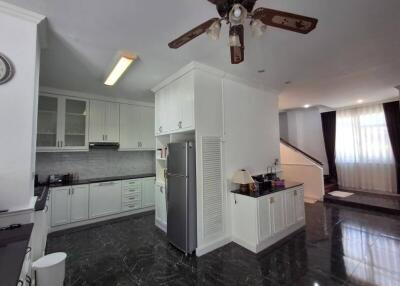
364, 156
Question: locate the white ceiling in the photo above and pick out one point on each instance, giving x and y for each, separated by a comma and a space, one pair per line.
352, 54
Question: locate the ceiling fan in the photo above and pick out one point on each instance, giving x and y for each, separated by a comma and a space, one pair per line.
235, 12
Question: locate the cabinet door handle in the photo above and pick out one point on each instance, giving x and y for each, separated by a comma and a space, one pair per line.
72, 191
62, 143
295, 192
160, 129
180, 124
272, 200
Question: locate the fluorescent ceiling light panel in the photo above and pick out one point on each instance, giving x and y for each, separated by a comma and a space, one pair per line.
123, 63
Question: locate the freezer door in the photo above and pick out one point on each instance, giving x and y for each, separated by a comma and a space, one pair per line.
177, 159
177, 211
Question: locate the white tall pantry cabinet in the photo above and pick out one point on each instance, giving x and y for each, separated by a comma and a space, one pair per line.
188, 106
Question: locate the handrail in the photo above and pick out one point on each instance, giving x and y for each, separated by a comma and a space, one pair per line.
302, 152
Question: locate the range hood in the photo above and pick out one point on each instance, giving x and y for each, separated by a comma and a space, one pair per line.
104, 145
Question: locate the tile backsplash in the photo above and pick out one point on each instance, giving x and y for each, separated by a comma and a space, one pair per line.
95, 164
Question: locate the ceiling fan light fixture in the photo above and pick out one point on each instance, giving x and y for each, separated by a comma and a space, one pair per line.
234, 41
237, 14
214, 31
258, 28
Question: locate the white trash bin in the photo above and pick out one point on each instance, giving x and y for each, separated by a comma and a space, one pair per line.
50, 269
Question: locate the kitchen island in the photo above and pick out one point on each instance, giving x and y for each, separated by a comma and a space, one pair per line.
262, 218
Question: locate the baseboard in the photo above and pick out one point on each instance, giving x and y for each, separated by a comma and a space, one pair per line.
248, 246
311, 200
161, 225
203, 249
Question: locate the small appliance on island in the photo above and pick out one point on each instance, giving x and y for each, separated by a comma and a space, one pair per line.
266, 214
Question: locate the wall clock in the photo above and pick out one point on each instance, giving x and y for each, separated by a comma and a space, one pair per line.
6, 69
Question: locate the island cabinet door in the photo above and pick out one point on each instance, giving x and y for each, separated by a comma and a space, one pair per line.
299, 204
264, 211
277, 212
290, 203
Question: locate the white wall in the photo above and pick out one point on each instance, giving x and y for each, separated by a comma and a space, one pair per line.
251, 128
298, 168
18, 99
304, 130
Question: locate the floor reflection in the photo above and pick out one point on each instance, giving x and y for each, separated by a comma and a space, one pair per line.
339, 246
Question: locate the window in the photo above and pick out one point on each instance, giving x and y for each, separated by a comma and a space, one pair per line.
364, 156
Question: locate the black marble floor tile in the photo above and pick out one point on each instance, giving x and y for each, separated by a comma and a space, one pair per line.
339, 246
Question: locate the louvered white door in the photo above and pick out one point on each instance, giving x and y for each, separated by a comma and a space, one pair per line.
212, 193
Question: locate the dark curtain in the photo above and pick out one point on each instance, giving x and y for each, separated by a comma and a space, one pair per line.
329, 129
392, 114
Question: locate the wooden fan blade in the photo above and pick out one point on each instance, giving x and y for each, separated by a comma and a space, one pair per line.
249, 4
187, 37
285, 20
237, 53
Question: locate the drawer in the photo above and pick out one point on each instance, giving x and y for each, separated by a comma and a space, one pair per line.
132, 189
132, 183
131, 205
135, 197
132, 192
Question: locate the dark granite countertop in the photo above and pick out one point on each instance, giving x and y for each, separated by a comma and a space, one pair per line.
104, 179
41, 192
260, 193
13, 248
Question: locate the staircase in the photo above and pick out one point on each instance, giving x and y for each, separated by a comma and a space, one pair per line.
330, 184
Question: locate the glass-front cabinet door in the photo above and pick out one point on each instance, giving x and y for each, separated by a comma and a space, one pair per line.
47, 122
62, 124
76, 124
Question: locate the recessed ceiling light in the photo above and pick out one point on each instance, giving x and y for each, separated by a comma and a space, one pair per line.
306, 106
360, 101
288, 82
261, 71
123, 63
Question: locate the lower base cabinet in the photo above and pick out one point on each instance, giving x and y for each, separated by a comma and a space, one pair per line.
148, 199
69, 204
105, 199
161, 207
258, 223
80, 203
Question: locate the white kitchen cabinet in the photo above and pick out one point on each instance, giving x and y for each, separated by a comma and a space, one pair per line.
79, 206
175, 106
299, 204
62, 124
277, 214
160, 207
290, 201
105, 199
136, 127
103, 121
69, 204
148, 192
259, 222
60, 206
265, 223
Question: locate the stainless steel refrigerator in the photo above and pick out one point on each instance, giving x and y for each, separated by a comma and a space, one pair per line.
181, 196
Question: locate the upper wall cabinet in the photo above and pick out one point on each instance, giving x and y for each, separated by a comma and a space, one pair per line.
175, 106
62, 124
136, 127
104, 121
